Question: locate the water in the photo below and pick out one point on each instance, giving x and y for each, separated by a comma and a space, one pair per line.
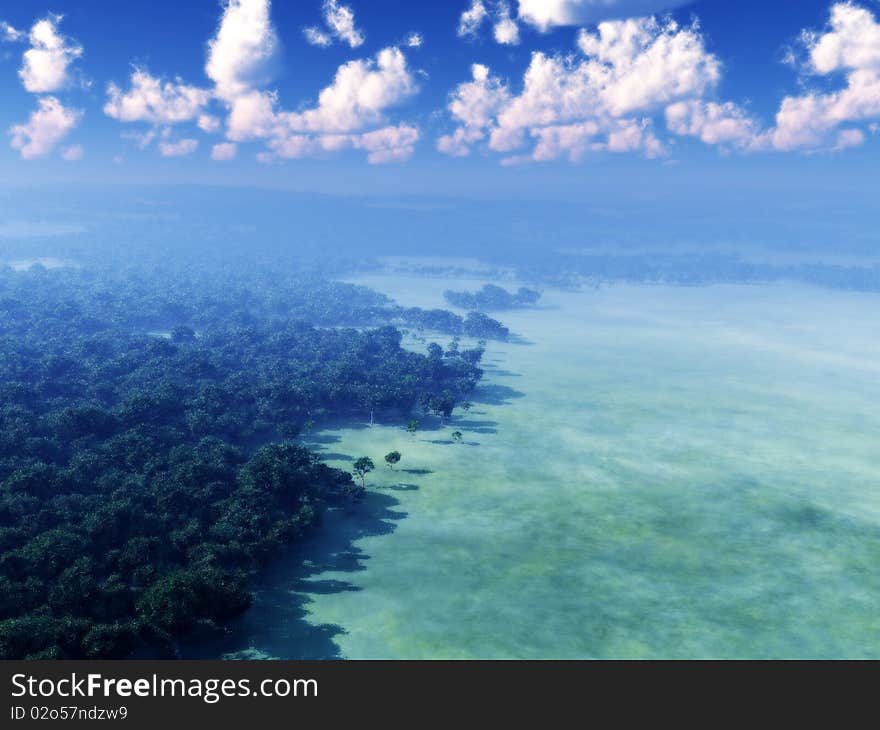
653, 472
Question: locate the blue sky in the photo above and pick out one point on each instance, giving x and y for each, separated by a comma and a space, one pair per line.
630, 104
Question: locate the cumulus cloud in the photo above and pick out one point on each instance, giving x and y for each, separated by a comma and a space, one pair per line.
601, 101
360, 94
251, 116
208, 123
46, 64
178, 148
46, 127
472, 19
224, 151
340, 23
849, 46
506, 31
243, 51
849, 138
546, 14
636, 73
474, 105
389, 144
414, 40
725, 124
150, 99
317, 37
637, 63
350, 113
852, 41
240, 57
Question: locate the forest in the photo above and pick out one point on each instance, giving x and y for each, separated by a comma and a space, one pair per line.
150, 451
492, 297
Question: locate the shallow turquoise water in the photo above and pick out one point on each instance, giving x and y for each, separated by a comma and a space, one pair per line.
655, 472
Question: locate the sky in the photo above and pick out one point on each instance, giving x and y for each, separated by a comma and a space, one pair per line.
474, 97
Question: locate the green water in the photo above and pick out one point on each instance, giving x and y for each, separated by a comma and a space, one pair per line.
654, 472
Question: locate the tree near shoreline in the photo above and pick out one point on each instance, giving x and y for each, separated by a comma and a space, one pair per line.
361, 467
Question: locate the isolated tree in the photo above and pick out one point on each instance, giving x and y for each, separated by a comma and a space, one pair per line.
362, 467
457, 437
412, 427
466, 406
392, 459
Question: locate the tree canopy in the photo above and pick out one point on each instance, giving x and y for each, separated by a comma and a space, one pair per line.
148, 455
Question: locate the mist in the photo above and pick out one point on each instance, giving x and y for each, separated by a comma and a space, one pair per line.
252, 423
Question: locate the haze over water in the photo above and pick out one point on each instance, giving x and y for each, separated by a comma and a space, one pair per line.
652, 472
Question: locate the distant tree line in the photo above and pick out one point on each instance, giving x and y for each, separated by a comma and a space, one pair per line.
492, 298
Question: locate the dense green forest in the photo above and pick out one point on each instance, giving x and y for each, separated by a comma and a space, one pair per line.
149, 452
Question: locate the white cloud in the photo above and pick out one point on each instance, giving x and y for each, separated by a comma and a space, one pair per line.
178, 148
414, 40
725, 124
73, 153
224, 151
474, 105
384, 145
350, 113
472, 18
361, 92
849, 46
242, 53
637, 63
45, 128
46, 63
251, 116
546, 14
340, 20
602, 101
240, 59
389, 144
849, 138
10, 34
317, 37
852, 41
340, 23
208, 123
506, 31
150, 99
